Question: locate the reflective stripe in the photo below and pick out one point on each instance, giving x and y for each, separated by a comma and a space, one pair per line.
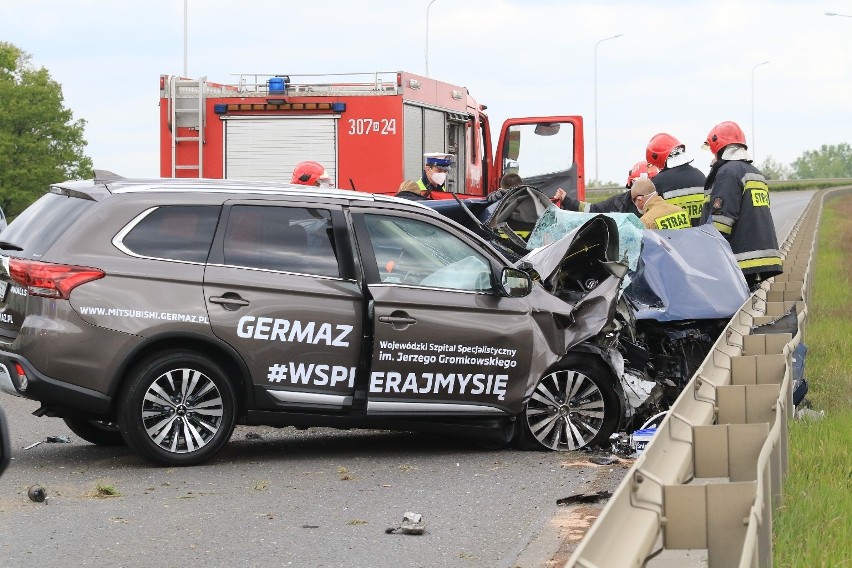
691, 203
587, 207
759, 193
758, 254
677, 220
684, 191
756, 262
724, 229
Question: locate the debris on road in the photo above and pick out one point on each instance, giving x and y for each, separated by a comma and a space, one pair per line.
36, 493
603, 460
412, 523
584, 498
58, 439
50, 440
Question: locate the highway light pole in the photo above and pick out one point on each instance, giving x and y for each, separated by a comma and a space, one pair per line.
597, 179
185, 20
753, 142
427, 35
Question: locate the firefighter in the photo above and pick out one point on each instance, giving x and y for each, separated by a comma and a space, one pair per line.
679, 182
311, 173
436, 166
507, 182
657, 213
736, 201
624, 202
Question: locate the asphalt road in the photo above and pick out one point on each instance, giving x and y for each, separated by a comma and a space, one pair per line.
282, 497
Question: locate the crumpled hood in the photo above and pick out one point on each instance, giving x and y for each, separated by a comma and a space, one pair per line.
580, 288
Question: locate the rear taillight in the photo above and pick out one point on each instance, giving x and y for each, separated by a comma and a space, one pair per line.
50, 280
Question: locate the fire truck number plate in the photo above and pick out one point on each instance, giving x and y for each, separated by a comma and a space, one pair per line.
359, 126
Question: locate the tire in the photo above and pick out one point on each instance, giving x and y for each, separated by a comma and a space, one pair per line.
572, 407
98, 432
177, 409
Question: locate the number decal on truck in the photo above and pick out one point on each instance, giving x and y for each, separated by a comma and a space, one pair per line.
363, 126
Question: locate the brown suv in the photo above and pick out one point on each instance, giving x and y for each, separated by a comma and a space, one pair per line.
162, 312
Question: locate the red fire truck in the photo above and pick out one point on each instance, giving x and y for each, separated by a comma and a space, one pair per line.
369, 130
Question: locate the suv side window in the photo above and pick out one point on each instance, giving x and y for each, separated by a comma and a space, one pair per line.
288, 239
179, 232
412, 252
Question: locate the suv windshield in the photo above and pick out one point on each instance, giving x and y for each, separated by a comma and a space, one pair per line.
43, 222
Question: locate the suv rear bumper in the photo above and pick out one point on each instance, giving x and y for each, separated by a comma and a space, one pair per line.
47, 390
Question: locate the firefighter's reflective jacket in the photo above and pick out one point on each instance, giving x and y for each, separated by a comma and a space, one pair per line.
660, 214
683, 186
736, 201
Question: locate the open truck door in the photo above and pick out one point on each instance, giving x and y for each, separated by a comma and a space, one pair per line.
546, 151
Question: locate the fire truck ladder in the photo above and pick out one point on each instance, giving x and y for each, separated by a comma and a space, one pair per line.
187, 110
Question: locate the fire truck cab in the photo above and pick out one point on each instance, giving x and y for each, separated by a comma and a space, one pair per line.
369, 130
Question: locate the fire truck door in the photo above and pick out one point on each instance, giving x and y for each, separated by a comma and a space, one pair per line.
547, 152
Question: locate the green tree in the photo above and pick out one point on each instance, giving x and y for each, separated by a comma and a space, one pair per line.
834, 161
773, 169
40, 142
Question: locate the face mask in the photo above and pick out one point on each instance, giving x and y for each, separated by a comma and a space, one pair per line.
324, 183
438, 178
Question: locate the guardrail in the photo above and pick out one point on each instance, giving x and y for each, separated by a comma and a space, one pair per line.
704, 490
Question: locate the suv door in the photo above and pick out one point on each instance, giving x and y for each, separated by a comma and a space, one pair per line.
445, 341
276, 292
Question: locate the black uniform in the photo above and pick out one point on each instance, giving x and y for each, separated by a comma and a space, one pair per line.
621, 203
683, 186
736, 201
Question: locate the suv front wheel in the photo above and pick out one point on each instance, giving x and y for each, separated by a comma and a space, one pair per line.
572, 407
177, 408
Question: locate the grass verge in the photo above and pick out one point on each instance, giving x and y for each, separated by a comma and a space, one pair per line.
813, 527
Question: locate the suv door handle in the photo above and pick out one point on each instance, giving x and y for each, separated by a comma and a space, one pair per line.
229, 301
398, 319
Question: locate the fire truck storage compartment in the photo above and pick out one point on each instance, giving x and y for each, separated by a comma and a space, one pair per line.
269, 148
429, 130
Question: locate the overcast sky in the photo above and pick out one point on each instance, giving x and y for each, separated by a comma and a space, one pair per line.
680, 67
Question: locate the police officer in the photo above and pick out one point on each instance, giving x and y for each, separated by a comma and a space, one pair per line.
679, 182
436, 167
624, 202
736, 201
311, 173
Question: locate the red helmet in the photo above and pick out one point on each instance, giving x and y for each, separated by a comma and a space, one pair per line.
659, 148
723, 134
310, 173
641, 169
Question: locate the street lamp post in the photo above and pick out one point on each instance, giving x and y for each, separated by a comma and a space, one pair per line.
596, 100
427, 35
753, 141
185, 20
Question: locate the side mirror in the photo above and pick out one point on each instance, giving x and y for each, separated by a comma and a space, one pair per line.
5, 445
515, 283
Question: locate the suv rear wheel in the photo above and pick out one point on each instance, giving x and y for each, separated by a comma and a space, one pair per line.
572, 407
177, 408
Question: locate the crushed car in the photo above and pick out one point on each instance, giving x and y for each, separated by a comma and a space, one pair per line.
161, 313
674, 303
